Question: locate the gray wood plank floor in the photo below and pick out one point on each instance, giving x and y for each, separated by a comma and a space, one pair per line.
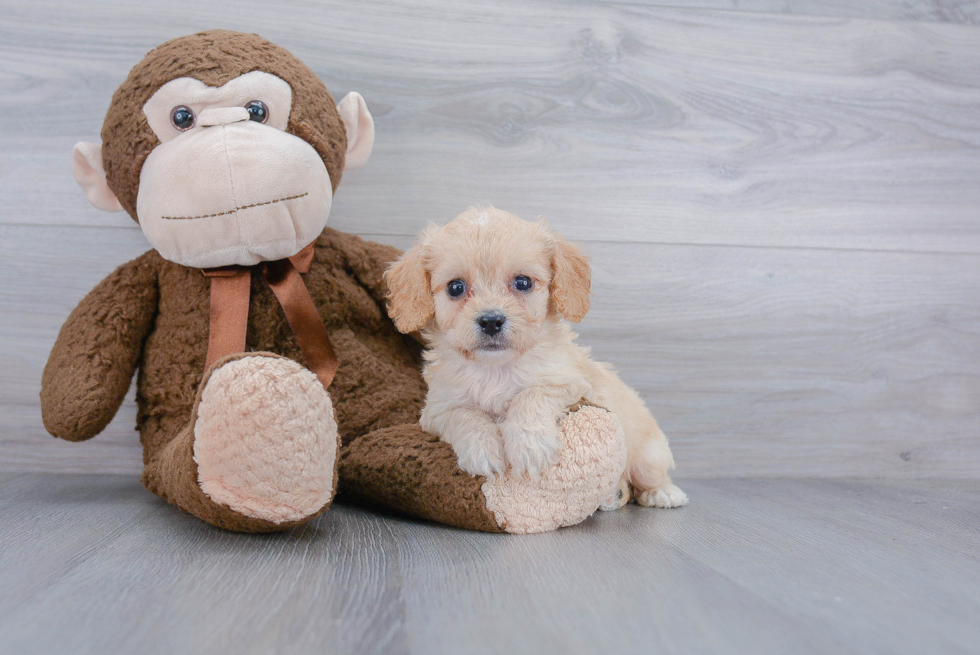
95, 564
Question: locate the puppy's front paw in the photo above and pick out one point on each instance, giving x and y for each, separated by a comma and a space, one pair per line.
480, 453
670, 495
530, 448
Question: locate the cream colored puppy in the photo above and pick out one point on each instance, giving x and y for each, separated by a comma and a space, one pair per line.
488, 291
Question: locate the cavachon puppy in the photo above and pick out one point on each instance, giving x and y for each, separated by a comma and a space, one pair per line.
489, 292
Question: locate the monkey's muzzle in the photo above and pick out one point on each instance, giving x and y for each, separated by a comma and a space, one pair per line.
233, 192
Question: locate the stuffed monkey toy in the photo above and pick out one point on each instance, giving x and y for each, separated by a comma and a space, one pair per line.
270, 374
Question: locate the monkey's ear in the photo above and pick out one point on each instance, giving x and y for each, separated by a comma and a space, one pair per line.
360, 129
86, 160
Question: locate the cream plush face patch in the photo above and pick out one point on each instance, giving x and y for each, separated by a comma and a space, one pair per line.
198, 96
227, 185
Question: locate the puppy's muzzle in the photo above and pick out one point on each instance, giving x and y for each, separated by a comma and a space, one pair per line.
491, 323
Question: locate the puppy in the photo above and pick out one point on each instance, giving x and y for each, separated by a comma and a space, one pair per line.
488, 292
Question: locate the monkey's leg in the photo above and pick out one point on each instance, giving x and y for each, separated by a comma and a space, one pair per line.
409, 470
260, 451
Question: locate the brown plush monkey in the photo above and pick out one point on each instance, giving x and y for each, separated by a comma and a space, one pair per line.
226, 149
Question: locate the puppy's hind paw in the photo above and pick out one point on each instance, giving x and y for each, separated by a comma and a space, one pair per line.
618, 497
669, 495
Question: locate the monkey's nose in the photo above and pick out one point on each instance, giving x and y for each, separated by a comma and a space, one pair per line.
491, 322
222, 116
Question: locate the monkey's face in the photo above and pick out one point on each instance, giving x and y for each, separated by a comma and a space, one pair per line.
225, 148
227, 184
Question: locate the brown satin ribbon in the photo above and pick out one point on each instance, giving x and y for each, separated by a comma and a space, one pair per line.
229, 312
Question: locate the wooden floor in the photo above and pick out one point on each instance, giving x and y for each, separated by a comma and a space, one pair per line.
95, 564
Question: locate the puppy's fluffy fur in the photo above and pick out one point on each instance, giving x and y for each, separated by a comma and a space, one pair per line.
496, 394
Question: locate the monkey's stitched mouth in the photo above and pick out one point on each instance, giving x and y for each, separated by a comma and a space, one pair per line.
232, 211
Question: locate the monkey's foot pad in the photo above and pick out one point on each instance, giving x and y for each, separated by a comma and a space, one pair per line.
265, 438
590, 463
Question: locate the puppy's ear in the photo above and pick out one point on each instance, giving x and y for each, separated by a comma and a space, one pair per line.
571, 280
410, 302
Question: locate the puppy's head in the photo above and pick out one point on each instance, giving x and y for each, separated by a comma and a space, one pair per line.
488, 282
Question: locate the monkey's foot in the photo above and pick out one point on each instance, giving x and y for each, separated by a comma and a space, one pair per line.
265, 439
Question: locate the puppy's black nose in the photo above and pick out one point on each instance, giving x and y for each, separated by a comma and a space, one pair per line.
491, 322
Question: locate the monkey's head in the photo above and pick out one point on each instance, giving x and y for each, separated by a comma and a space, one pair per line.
226, 150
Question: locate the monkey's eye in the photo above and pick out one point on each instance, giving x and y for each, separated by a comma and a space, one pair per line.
257, 111
182, 118
523, 283
456, 288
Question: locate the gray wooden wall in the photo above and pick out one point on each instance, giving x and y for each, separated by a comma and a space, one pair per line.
781, 197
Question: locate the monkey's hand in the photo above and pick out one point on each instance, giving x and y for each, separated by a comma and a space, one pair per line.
93, 359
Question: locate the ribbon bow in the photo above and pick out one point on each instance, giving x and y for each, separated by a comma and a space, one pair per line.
230, 288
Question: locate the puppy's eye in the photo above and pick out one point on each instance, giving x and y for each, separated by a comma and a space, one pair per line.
523, 283
456, 288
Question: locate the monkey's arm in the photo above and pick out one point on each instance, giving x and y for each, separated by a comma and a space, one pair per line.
368, 261
95, 355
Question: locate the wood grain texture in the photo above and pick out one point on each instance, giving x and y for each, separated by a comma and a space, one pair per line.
621, 122
95, 564
757, 361
941, 11
780, 198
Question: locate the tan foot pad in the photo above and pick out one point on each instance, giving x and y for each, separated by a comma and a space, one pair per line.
591, 461
265, 439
